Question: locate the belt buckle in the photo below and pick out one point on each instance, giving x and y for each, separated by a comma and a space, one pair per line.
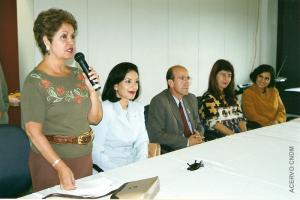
82, 139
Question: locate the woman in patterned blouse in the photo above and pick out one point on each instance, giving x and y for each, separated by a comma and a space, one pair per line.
220, 110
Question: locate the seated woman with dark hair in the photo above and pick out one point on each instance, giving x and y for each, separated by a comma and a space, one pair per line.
121, 137
220, 110
261, 102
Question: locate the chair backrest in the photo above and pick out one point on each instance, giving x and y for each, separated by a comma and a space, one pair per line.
14, 172
153, 150
199, 101
146, 111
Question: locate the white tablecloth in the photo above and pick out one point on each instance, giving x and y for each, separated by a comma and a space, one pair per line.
251, 165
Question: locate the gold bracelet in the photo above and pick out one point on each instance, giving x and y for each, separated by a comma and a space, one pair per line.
55, 162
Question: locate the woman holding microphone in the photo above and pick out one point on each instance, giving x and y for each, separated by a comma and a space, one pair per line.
58, 106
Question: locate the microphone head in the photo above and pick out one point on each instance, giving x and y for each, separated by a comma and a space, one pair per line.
78, 56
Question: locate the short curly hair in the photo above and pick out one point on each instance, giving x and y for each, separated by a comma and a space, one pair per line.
261, 69
47, 24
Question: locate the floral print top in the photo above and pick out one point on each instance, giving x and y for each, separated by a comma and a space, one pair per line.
215, 110
60, 104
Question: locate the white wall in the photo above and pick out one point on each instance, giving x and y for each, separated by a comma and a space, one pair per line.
25, 38
156, 34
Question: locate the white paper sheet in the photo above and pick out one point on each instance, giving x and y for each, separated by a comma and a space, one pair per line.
93, 187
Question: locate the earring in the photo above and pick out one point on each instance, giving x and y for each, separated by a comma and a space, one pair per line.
48, 50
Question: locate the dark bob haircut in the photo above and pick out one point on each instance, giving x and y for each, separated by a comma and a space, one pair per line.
116, 75
261, 69
213, 87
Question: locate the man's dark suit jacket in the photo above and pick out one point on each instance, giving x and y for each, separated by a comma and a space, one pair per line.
164, 124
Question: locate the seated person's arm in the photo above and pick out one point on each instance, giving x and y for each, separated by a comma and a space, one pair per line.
223, 129
198, 134
141, 144
156, 126
196, 138
242, 120
199, 128
242, 126
101, 132
281, 113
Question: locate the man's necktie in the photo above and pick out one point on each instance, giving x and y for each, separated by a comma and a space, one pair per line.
186, 129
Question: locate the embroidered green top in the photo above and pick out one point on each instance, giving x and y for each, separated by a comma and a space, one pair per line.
61, 104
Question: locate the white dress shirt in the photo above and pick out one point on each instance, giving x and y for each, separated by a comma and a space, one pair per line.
185, 114
121, 137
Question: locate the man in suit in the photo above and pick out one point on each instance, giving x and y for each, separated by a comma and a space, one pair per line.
173, 119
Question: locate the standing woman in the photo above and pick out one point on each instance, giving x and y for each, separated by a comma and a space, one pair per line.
261, 102
58, 105
121, 137
220, 109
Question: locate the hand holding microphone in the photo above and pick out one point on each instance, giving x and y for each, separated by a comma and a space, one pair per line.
90, 74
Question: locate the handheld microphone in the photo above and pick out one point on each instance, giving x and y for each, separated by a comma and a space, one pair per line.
79, 57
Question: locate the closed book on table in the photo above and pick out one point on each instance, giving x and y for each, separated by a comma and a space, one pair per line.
141, 189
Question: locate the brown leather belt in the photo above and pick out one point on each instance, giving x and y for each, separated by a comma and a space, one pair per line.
83, 138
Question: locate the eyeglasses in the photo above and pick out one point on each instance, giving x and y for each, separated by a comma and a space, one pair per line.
184, 78
195, 165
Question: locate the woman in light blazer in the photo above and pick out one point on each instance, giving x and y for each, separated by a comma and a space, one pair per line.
121, 137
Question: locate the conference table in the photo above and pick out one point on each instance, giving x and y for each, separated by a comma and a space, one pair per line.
258, 164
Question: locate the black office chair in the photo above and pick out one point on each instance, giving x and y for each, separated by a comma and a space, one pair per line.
146, 111
241, 88
14, 172
199, 101
212, 135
